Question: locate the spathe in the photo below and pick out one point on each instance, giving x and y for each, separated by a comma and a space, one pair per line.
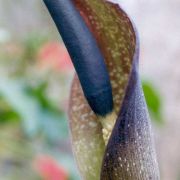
130, 152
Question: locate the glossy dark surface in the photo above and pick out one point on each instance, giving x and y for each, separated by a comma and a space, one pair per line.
85, 54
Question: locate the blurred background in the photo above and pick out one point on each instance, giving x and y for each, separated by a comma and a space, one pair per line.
35, 77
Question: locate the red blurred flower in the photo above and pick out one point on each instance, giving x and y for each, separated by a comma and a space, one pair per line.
55, 55
49, 169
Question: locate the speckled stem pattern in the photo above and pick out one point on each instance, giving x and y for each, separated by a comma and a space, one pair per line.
130, 153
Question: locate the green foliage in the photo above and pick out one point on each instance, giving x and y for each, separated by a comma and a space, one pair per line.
37, 117
39, 93
40, 118
7, 113
154, 101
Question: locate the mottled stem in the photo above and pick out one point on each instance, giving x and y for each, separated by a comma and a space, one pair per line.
130, 154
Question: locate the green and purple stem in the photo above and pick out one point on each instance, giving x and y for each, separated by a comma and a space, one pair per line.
104, 49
